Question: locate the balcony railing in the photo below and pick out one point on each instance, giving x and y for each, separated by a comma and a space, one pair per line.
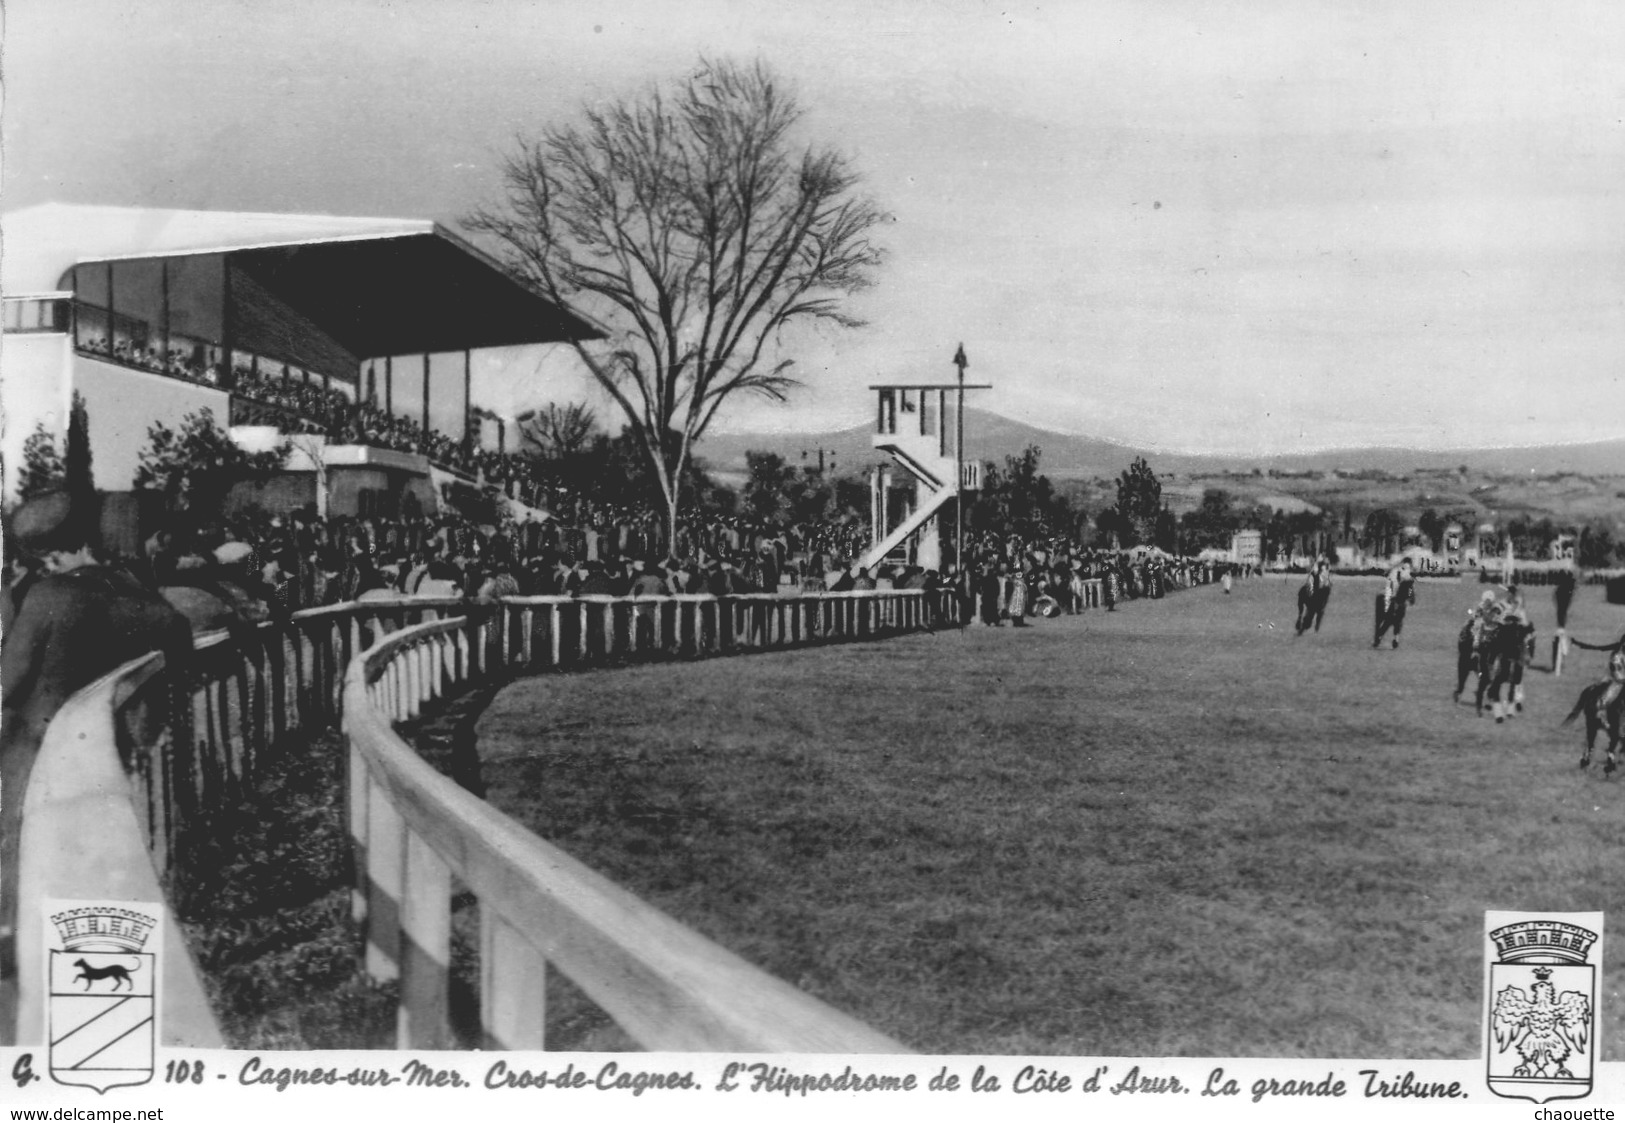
46, 312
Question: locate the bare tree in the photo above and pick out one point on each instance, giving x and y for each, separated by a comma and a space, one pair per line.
694, 226
560, 431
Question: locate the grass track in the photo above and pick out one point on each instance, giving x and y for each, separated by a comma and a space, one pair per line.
1168, 830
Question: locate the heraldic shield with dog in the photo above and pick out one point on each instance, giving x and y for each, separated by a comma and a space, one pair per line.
103, 995
1542, 992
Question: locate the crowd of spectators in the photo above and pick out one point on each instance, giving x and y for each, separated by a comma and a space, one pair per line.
273, 565
580, 542
257, 566
193, 363
1012, 577
304, 407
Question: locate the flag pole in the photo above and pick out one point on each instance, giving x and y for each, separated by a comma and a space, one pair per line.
959, 463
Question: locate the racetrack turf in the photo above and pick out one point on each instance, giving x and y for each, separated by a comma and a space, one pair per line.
1174, 829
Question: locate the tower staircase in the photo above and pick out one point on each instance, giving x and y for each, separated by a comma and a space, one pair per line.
921, 427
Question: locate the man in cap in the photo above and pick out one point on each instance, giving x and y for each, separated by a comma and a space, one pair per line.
80, 620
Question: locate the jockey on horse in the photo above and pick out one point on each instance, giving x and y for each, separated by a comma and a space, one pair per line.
1603, 704
1502, 652
1398, 594
1470, 641
1616, 667
1313, 594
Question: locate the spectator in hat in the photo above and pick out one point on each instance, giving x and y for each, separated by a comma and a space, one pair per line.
680, 576
989, 593
500, 583
648, 580
596, 583
768, 568
716, 578
80, 620
21, 571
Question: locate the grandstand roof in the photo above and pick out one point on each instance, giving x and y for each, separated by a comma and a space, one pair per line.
381, 286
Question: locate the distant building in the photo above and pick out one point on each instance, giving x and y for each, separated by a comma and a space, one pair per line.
1247, 547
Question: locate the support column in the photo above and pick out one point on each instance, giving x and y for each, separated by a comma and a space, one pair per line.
877, 504
228, 337
163, 342
112, 314
468, 397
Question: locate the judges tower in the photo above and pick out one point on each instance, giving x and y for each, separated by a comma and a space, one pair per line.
921, 426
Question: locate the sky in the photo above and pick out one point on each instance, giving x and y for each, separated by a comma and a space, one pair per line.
1242, 227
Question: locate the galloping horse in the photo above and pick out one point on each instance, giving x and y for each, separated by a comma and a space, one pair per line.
1501, 654
1392, 603
1601, 712
1313, 596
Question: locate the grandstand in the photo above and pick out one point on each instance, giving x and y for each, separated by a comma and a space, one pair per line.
357, 333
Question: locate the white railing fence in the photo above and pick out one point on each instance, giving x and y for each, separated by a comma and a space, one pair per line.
419, 836
192, 748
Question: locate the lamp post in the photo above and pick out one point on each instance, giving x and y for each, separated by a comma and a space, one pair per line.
959, 462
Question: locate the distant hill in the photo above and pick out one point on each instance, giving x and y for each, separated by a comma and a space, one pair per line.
1069, 456
988, 436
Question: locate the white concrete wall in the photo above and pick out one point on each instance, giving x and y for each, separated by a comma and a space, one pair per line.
33, 389
122, 404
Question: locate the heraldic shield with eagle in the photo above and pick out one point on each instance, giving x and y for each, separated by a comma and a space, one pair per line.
1542, 997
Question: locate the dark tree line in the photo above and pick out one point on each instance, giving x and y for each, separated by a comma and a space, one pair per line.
779, 494
1019, 500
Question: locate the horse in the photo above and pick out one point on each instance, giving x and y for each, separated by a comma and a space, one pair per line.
1467, 661
1600, 713
1501, 652
1391, 610
1312, 598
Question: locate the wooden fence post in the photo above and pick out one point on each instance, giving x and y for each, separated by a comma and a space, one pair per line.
423, 1021
513, 987
386, 876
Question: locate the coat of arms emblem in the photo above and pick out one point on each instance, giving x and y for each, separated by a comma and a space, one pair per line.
103, 997
1540, 1041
